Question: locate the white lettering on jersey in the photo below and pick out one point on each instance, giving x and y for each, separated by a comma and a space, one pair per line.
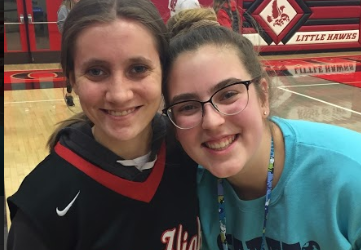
177, 239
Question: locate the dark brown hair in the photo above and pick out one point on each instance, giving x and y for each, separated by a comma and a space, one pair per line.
193, 37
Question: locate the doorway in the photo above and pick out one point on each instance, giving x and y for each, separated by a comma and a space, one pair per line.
31, 34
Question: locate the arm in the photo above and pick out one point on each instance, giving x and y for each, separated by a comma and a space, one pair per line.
23, 235
62, 14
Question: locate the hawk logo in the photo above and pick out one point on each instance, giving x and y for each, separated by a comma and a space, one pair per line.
278, 16
279, 19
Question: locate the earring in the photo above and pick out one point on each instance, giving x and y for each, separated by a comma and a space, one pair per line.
265, 112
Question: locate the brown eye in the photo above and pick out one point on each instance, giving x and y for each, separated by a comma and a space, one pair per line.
139, 69
96, 72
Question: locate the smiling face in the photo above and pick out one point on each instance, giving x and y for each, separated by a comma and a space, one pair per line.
222, 144
117, 76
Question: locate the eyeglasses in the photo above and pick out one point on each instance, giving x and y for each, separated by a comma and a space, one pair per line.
229, 100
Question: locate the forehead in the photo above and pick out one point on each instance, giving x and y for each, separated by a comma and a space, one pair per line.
119, 38
200, 70
121, 27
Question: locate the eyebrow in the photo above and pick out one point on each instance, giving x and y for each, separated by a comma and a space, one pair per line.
138, 59
92, 62
194, 96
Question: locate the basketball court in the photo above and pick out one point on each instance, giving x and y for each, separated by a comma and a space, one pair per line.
322, 88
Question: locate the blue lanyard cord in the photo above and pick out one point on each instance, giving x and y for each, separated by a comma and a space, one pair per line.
222, 214
222, 206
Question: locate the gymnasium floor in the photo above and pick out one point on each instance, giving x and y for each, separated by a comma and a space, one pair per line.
318, 87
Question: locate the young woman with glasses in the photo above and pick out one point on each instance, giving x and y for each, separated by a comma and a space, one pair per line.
265, 182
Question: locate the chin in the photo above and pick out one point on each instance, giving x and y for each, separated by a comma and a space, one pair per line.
122, 135
221, 168
220, 172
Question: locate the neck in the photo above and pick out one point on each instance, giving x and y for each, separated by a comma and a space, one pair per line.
126, 149
250, 183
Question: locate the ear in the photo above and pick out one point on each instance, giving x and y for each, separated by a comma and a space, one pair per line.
265, 96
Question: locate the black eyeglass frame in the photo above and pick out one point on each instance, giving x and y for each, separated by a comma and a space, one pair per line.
246, 83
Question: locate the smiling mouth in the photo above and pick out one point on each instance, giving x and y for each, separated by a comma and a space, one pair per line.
221, 144
120, 113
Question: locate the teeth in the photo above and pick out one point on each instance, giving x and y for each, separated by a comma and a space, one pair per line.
220, 145
120, 113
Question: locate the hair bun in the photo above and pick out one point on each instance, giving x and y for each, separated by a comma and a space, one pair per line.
190, 19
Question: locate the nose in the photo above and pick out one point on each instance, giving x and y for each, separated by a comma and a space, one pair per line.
211, 117
119, 89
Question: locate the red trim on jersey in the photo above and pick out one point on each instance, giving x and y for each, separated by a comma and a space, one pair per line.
142, 191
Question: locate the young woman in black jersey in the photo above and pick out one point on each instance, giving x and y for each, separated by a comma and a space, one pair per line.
113, 179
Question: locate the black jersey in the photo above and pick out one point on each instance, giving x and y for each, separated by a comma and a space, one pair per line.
75, 204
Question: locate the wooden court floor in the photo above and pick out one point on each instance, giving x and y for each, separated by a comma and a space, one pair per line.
30, 115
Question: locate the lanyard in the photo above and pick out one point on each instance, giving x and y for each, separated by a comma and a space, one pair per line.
222, 210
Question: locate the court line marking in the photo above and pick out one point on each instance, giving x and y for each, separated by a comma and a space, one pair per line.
50, 100
312, 85
32, 70
319, 100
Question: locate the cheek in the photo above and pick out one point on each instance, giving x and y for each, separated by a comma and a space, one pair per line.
252, 127
250, 119
88, 93
153, 91
255, 105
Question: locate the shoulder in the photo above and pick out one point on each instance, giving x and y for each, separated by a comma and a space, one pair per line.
322, 137
53, 181
63, 7
309, 126
49, 167
49, 179
63, 10
323, 134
